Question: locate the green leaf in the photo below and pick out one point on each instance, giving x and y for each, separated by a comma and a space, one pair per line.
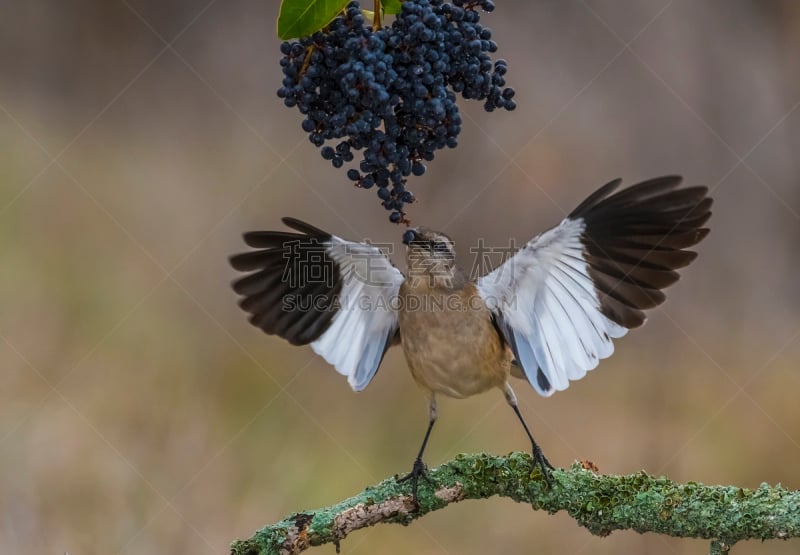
300, 18
391, 6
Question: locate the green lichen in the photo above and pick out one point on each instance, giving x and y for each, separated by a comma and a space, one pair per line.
600, 503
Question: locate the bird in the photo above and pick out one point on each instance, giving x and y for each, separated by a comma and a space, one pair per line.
546, 315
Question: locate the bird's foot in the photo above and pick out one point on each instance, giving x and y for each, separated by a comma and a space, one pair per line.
419, 470
541, 460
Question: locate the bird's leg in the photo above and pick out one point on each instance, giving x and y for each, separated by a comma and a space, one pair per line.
419, 470
538, 456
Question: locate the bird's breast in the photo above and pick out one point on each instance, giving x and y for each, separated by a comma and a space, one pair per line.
449, 341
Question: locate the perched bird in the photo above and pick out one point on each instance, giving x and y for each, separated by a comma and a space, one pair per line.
548, 314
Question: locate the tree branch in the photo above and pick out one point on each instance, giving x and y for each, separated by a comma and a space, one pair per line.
602, 504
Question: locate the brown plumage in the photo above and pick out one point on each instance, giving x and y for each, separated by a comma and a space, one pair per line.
549, 314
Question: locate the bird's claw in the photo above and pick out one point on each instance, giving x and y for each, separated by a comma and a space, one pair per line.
419, 470
541, 460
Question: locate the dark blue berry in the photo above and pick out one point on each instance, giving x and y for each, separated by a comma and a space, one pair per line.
389, 95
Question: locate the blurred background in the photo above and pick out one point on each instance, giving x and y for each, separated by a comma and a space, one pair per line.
140, 413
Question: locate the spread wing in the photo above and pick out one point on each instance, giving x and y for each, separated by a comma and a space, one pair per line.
313, 287
562, 298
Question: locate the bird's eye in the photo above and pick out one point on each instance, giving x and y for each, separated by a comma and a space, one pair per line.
440, 247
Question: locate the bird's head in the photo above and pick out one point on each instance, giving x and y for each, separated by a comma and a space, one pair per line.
431, 255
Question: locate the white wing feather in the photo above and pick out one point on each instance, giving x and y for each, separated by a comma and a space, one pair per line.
548, 304
356, 339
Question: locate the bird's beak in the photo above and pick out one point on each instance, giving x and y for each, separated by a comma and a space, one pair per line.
409, 236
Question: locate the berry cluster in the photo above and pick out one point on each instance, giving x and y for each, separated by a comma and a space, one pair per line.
391, 92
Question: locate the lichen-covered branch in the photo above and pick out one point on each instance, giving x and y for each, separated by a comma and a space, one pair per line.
602, 504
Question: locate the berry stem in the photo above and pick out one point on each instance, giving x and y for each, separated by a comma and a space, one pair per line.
376, 17
306, 60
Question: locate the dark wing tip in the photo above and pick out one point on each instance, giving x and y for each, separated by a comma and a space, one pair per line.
303, 227
542, 381
634, 242
278, 292
596, 197
233, 260
269, 239
245, 261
